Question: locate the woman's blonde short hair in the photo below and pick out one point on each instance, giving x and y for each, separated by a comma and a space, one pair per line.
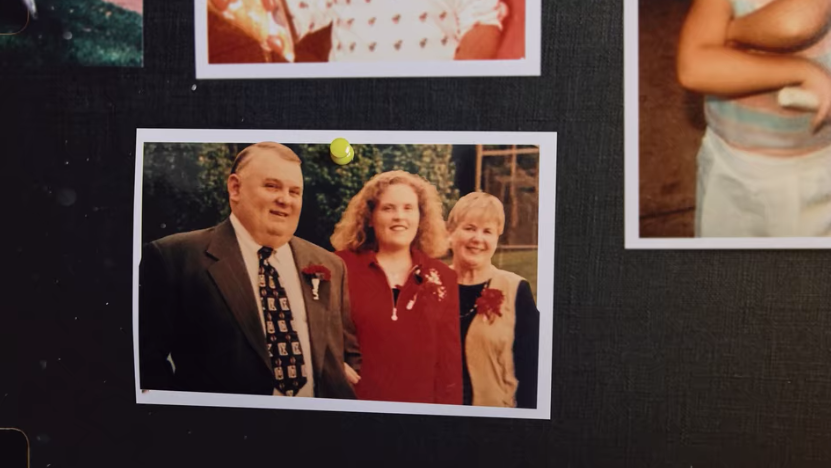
477, 205
354, 233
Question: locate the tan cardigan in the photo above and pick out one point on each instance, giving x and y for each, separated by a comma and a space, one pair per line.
489, 349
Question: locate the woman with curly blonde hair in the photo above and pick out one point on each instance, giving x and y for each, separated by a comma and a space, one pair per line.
404, 301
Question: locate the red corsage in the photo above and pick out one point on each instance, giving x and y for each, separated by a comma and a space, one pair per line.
434, 285
317, 273
489, 303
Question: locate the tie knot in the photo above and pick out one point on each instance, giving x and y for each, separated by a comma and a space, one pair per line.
265, 252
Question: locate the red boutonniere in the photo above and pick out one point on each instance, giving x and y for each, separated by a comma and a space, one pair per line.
489, 303
316, 273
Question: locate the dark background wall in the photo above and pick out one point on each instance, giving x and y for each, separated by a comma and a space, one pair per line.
661, 359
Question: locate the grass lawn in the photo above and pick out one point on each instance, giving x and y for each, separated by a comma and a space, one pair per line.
70, 32
521, 262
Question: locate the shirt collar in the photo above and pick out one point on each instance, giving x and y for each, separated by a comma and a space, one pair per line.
249, 246
369, 257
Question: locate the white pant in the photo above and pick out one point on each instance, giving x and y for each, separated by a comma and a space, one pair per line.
743, 194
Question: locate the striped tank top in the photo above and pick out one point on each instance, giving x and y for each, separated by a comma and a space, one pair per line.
757, 122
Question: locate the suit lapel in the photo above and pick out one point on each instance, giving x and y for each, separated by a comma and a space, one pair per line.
316, 313
231, 277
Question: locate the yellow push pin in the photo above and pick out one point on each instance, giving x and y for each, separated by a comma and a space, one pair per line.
341, 151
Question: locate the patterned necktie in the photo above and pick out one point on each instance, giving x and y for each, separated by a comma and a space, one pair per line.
281, 339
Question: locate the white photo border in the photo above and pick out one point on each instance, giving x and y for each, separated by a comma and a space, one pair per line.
547, 143
528, 66
632, 169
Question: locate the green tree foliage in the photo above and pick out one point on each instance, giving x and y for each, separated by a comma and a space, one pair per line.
184, 186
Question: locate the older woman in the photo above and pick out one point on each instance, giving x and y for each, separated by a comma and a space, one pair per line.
499, 319
404, 302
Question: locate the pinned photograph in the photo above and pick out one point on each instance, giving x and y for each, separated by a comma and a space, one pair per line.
378, 38
728, 138
445, 231
49, 33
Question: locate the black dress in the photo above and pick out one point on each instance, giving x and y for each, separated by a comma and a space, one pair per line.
526, 341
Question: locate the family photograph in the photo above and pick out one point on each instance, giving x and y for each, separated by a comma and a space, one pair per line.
408, 275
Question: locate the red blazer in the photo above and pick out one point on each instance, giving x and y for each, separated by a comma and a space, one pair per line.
418, 357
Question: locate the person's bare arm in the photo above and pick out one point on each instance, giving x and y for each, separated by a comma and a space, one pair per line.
782, 25
707, 65
512, 45
480, 43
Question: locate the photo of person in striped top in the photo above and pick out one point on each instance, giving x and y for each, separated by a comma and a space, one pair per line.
764, 168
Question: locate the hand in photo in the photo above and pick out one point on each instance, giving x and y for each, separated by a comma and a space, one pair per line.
351, 375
